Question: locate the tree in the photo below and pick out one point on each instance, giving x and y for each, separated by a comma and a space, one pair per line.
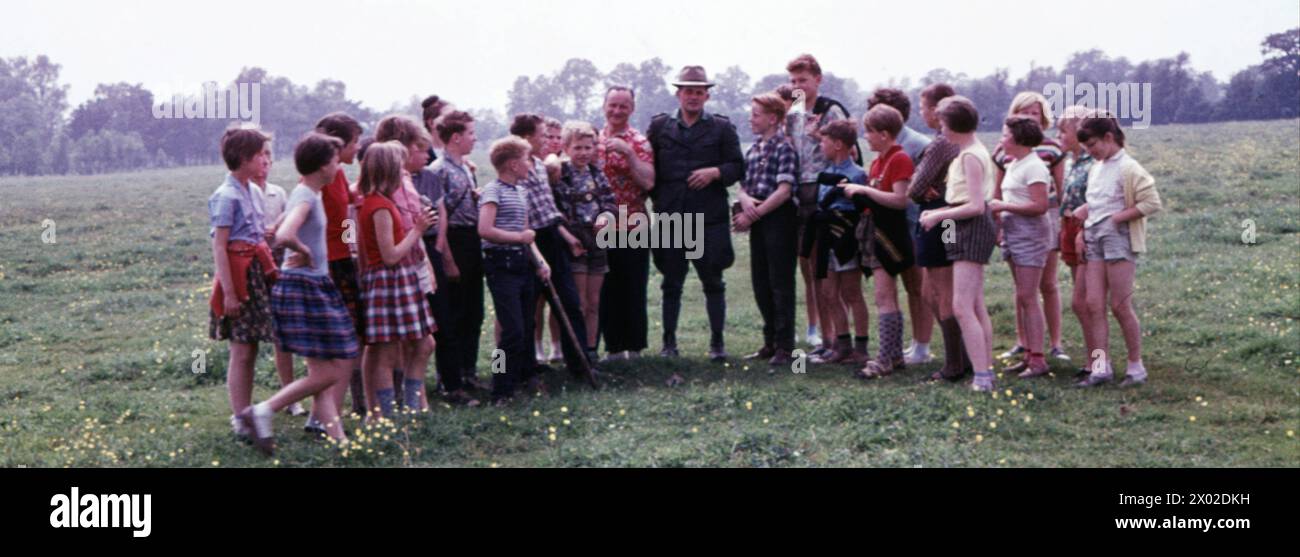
1282, 52
121, 107
577, 82
32, 103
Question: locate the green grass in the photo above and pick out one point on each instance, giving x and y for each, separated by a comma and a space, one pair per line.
97, 333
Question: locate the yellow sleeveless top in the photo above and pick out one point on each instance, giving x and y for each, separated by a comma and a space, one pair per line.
958, 191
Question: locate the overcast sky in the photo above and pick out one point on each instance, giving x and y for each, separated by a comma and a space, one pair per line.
472, 51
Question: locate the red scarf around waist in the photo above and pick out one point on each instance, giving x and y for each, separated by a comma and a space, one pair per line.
240, 255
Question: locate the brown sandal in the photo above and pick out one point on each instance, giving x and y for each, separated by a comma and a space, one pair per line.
873, 370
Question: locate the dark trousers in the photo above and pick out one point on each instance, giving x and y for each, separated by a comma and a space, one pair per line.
623, 300
771, 266
672, 263
440, 306
464, 324
555, 251
511, 279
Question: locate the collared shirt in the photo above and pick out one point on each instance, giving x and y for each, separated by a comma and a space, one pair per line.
512, 208
932, 169
542, 211
1105, 195
426, 185
233, 205
273, 201
768, 164
457, 185
582, 194
1076, 182
848, 169
618, 169
711, 142
912, 142
807, 142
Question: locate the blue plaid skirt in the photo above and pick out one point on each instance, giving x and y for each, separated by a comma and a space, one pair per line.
311, 319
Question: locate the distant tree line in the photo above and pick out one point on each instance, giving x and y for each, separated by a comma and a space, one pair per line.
116, 129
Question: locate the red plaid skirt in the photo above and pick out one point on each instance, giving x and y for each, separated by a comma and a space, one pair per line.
394, 305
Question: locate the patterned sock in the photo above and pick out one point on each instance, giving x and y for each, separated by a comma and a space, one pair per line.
386, 402
891, 337
411, 391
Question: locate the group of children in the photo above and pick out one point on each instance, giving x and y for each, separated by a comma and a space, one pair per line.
928, 213
368, 281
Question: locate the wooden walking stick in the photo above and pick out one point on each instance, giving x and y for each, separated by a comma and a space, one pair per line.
557, 308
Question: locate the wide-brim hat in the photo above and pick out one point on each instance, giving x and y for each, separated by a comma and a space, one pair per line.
693, 76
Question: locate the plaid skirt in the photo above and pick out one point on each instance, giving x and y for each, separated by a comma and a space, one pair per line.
254, 323
394, 305
310, 318
973, 239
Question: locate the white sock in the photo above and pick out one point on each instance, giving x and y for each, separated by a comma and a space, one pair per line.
262, 418
1136, 370
920, 348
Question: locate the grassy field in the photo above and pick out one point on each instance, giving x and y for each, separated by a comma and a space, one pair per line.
98, 332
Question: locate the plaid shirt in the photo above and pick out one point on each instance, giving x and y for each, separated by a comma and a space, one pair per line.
541, 202
768, 164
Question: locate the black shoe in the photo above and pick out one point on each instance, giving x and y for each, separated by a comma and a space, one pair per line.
780, 358
669, 351
460, 398
764, 353
718, 355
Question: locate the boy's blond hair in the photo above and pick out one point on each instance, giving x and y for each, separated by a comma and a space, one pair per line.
575, 130
507, 149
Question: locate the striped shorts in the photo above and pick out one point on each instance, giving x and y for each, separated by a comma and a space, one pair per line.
973, 239
394, 305
311, 319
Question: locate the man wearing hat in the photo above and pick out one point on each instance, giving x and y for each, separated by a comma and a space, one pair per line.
697, 156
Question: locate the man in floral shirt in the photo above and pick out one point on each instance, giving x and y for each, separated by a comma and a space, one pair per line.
628, 163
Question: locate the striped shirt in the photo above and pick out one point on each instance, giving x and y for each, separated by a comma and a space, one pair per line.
768, 164
512, 208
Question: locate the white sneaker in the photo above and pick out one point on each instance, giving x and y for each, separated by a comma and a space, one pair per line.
296, 410
238, 428
915, 355
1135, 374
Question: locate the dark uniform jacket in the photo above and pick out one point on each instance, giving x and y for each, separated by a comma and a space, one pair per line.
680, 150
